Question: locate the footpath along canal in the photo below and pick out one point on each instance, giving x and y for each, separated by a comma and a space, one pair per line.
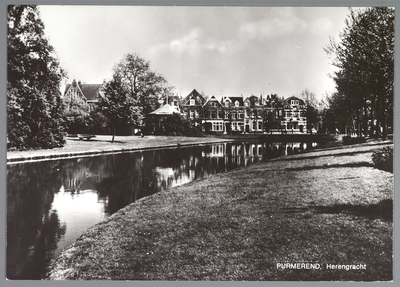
53, 196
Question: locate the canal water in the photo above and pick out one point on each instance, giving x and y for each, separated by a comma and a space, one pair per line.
51, 203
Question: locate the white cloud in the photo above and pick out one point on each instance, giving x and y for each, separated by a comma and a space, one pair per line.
194, 41
271, 28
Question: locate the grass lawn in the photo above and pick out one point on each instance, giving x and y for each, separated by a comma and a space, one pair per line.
325, 207
102, 143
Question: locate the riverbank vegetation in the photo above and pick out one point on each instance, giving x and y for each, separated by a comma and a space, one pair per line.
383, 159
327, 207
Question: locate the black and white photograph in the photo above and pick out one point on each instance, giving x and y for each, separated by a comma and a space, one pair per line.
199, 143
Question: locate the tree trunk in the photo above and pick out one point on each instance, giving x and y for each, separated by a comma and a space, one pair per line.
378, 116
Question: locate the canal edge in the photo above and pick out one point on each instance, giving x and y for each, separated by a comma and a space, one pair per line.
77, 154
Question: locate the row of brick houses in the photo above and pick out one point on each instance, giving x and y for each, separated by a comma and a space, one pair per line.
245, 114
226, 115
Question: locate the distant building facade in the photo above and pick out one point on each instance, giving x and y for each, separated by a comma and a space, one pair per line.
81, 96
192, 107
248, 114
294, 115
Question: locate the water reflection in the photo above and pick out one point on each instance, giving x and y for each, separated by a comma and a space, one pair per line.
50, 203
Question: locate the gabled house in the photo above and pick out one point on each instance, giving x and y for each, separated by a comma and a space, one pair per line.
81, 96
192, 106
234, 114
213, 116
294, 115
253, 114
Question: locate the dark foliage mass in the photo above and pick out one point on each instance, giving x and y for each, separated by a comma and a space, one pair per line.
176, 125
364, 79
383, 159
353, 140
34, 106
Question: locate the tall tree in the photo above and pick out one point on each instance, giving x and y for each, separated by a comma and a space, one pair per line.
143, 84
365, 60
34, 106
118, 107
133, 92
311, 113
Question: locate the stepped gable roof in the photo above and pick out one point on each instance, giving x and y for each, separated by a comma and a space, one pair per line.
165, 110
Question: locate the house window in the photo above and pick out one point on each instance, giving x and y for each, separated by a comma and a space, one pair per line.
218, 126
227, 104
192, 102
246, 103
260, 125
191, 114
236, 104
213, 114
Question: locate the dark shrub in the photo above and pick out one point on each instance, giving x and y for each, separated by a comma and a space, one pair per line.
383, 159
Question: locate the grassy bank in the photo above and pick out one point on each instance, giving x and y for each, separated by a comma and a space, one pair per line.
103, 144
326, 207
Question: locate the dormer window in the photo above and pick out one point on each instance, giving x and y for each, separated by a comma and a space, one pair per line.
192, 102
227, 104
246, 103
236, 104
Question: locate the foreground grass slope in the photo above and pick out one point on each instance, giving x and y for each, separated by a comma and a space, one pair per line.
321, 207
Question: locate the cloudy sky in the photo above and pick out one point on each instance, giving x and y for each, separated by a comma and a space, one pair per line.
229, 51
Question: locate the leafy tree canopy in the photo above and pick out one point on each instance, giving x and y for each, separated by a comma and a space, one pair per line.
133, 92
34, 106
364, 57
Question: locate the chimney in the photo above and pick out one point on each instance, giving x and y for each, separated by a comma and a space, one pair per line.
74, 83
79, 82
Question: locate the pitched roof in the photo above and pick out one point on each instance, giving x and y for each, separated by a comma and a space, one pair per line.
194, 95
212, 99
234, 99
294, 98
89, 90
165, 110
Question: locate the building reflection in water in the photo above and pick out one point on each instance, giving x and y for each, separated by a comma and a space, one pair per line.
50, 203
